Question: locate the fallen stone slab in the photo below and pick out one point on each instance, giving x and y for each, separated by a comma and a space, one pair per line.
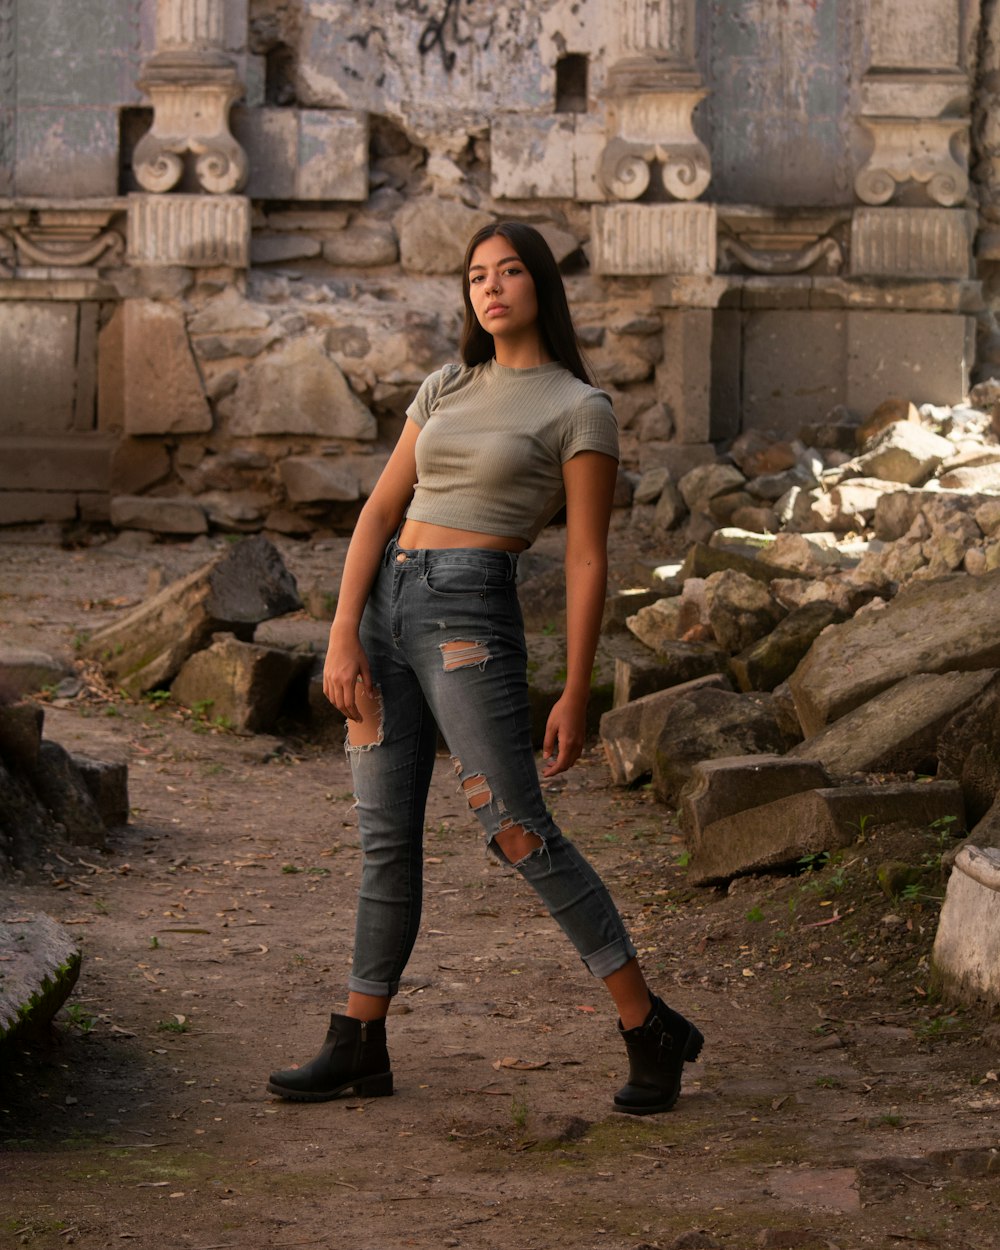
767, 662
897, 731
952, 623
158, 515
966, 958
628, 732
41, 964
62, 788
238, 684
779, 834
640, 671
24, 670
711, 724
296, 632
702, 560
722, 787
246, 584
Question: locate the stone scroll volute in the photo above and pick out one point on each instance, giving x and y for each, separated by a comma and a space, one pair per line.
192, 85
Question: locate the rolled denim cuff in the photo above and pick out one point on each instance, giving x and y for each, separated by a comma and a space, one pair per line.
610, 958
377, 989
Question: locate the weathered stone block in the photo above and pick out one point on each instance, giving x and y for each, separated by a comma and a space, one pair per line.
969, 750
60, 785
966, 958
723, 787
904, 452
297, 389
897, 731
740, 609
161, 516
794, 367
239, 682
629, 732
933, 627
779, 834
363, 246
107, 783
163, 393
703, 560
37, 366
910, 242
925, 355
55, 463
710, 724
533, 157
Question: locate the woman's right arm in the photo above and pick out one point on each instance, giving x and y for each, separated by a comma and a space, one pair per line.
379, 519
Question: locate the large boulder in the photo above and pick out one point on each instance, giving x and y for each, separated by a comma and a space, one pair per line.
939, 626
297, 389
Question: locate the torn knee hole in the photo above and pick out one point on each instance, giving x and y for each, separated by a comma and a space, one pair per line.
367, 732
477, 791
516, 842
463, 654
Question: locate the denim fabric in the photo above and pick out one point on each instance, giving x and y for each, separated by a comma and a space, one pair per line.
445, 640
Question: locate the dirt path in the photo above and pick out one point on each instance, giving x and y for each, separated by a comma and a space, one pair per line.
836, 1104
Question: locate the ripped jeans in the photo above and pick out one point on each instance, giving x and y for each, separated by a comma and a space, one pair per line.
444, 637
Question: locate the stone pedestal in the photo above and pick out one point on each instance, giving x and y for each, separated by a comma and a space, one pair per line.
966, 958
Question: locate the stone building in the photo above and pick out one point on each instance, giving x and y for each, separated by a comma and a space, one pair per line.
230, 230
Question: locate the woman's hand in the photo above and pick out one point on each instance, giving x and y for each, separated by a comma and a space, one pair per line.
565, 732
345, 667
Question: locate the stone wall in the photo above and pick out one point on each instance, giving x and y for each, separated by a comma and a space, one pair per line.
230, 242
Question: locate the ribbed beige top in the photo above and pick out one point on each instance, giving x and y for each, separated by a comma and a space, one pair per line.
493, 442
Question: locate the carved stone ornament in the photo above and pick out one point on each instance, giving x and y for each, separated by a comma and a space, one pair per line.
783, 260
655, 126
70, 238
918, 150
191, 104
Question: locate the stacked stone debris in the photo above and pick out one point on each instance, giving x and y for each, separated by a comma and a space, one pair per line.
828, 653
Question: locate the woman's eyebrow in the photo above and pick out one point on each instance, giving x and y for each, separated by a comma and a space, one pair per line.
505, 261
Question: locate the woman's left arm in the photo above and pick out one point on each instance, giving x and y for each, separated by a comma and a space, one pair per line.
589, 478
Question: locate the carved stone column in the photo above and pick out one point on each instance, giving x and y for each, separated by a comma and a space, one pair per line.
192, 85
653, 89
915, 102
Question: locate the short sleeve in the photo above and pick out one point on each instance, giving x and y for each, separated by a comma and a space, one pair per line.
425, 399
591, 427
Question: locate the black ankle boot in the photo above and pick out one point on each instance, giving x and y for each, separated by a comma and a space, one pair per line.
353, 1057
657, 1052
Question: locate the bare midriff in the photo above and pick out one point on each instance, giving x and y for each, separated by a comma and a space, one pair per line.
418, 535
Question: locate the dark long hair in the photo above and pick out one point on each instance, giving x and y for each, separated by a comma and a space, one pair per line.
554, 321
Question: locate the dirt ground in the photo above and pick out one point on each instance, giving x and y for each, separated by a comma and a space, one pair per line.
837, 1104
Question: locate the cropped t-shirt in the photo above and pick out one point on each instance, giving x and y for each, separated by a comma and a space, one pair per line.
493, 441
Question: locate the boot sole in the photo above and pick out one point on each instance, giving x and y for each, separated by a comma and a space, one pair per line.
691, 1052
367, 1087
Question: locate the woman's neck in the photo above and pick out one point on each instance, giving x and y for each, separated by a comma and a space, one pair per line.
521, 353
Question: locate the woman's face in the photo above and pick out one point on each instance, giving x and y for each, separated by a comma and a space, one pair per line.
502, 290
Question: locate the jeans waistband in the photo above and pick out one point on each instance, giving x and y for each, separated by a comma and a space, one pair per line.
423, 558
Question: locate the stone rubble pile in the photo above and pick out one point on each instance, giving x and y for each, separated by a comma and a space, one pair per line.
828, 654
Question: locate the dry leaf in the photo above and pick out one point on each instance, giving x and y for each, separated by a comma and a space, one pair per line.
521, 1065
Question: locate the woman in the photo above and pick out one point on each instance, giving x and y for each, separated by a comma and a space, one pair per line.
428, 632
